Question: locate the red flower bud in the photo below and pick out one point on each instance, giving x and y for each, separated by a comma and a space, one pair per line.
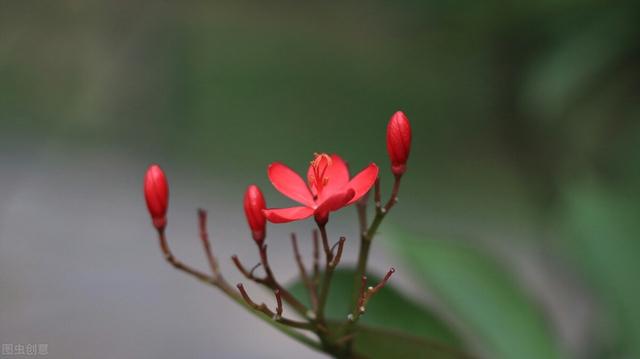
398, 142
156, 193
253, 206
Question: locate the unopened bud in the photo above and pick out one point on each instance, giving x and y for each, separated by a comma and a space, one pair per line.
156, 194
253, 205
398, 142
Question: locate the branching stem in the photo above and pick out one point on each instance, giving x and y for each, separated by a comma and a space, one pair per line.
217, 280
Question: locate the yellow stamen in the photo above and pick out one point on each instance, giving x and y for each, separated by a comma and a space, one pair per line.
319, 166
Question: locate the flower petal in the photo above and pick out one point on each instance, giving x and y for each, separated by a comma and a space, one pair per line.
338, 175
335, 202
289, 183
284, 215
363, 181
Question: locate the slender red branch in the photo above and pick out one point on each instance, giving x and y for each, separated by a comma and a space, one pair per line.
168, 255
331, 263
278, 302
377, 195
248, 274
271, 282
383, 282
333, 247
240, 267
338, 256
325, 243
361, 208
269, 313
253, 269
204, 237
393, 199
283, 325
245, 296
365, 295
363, 286
217, 281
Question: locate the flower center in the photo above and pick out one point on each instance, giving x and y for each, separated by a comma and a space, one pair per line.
317, 179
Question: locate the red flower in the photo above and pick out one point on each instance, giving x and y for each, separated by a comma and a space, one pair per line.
398, 142
156, 193
328, 190
253, 206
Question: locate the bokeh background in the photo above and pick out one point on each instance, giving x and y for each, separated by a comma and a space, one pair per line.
526, 153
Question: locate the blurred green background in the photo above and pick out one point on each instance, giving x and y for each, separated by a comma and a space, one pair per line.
526, 119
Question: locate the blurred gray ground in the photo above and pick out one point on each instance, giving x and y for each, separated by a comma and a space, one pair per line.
80, 269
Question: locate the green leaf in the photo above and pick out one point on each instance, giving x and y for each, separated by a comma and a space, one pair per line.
481, 294
388, 309
602, 231
377, 343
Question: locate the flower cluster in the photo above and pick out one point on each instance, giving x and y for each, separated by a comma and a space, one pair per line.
328, 188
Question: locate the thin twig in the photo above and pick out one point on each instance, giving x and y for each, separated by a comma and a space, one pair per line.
269, 313
269, 280
377, 196
325, 243
336, 259
256, 266
168, 255
365, 295
272, 283
361, 208
393, 199
383, 282
204, 237
363, 286
328, 272
248, 274
334, 247
278, 302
